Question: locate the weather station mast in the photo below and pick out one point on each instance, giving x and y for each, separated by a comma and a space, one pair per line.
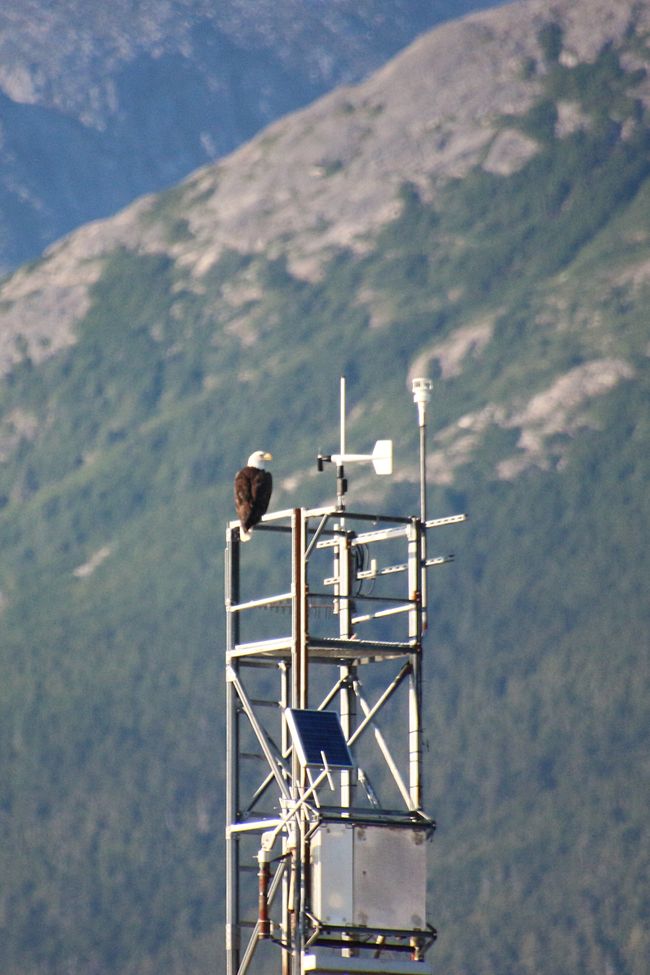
326, 834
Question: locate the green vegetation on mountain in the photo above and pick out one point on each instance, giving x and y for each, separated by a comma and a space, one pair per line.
117, 460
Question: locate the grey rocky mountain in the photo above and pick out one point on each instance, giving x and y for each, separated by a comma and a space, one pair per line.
329, 176
100, 103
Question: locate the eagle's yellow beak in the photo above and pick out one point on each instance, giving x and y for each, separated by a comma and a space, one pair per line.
268, 456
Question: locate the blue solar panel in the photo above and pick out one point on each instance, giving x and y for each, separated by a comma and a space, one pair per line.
317, 734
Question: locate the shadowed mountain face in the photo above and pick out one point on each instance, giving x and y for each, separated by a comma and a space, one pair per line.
478, 211
101, 104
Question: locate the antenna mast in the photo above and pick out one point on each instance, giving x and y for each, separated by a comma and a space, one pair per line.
421, 395
341, 482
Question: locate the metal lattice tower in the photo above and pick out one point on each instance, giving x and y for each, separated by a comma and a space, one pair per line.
326, 867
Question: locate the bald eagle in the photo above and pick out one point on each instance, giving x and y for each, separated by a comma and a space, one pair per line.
253, 486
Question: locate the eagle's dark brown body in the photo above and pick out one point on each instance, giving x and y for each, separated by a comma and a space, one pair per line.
252, 495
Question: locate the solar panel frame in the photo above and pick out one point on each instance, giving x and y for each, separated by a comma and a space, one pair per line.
316, 734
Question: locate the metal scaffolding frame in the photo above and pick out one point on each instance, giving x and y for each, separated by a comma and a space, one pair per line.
342, 613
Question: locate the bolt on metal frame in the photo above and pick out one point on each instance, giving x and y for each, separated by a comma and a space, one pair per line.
328, 629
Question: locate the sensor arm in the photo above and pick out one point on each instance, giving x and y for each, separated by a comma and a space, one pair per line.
381, 458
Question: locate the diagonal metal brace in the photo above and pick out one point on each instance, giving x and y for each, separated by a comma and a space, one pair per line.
381, 741
275, 763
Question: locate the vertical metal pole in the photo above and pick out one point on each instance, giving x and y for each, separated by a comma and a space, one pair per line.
296, 686
347, 673
423, 515
285, 700
343, 572
342, 416
418, 576
299, 699
421, 395
296, 609
341, 483
423, 471
232, 762
347, 701
415, 679
304, 611
302, 826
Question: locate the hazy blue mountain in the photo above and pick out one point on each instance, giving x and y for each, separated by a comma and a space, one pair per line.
478, 210
101, 103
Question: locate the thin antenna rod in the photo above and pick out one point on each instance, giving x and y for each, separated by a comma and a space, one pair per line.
342, 448
421, 395
341, 483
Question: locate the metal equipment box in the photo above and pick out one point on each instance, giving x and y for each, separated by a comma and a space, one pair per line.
374, 876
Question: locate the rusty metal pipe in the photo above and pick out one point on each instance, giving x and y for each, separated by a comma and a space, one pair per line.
264, 873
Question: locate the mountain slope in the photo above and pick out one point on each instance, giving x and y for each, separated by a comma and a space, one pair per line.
144, 357
101, 104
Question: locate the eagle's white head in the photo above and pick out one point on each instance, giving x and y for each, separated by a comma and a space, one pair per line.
257, 459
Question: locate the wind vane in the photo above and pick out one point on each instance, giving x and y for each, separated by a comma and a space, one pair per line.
381, 457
